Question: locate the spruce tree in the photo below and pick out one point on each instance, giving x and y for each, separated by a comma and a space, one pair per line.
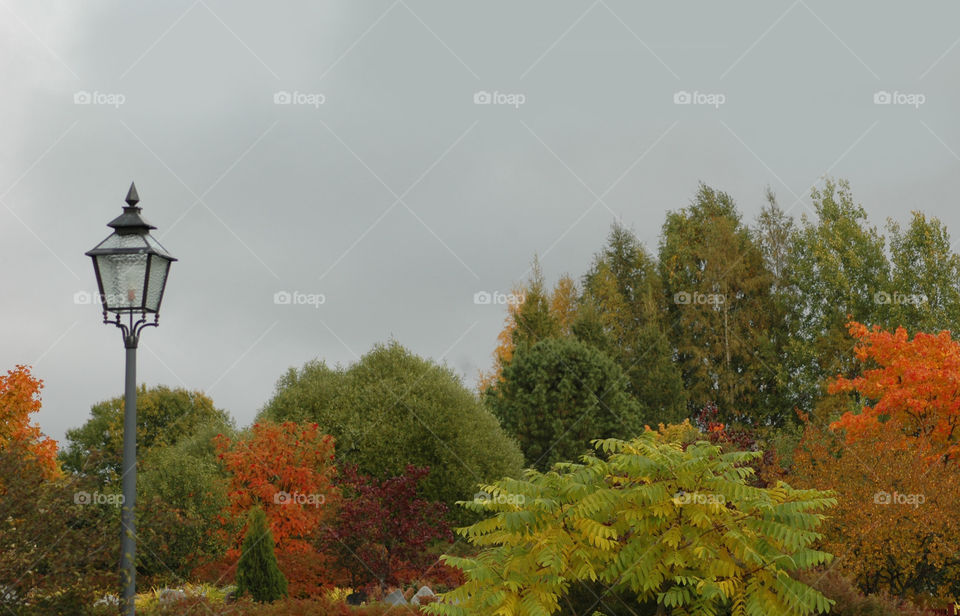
258, 573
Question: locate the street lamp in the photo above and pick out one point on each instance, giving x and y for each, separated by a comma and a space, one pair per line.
131, 269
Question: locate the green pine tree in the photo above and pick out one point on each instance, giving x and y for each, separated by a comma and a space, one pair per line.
258, 573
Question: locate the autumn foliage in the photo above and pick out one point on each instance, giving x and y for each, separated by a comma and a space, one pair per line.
19, 399
287, 470
913, 390
384, 529
893, 465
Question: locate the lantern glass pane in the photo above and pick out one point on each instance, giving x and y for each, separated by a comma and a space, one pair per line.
122, 277
155, 245
158, 278
131, 240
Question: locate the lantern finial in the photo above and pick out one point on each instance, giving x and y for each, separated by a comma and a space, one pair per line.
132, 197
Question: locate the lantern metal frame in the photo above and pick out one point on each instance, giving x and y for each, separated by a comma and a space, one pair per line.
130, 222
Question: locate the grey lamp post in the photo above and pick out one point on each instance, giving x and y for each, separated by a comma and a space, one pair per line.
131, 269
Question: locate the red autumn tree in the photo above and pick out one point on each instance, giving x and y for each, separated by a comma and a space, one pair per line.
910, 387
384, 530
19, 399
287, 469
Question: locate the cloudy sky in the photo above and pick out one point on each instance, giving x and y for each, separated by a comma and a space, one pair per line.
397, 157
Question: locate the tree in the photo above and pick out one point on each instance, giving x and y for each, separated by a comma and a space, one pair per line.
286, 470
715, 277
533, 319
558, 395
667, 527
164, 416
19, 399
893, 461
257, 572
391, 409
925, 278
774, 235
381, 534
623, 292
838, 264
914, 389
895, 528
182, 491
58, 538
563, 304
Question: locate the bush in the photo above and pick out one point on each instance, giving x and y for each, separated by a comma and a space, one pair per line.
851, 602
284, 607
382, 530
392, 409
257, 572
656, 524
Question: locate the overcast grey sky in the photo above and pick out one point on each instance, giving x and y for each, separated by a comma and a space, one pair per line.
344, 149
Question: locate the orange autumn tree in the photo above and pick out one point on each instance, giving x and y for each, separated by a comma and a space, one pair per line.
895, 527
892, 461
287, 469
913, 387
19, 399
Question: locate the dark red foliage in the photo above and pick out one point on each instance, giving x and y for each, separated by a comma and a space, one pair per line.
384, 530
740, 438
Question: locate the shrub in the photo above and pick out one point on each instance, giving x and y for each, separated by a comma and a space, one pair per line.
383, 529
672, 528
849, 601
257, 572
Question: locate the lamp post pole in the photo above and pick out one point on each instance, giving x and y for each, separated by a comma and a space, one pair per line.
131, 268
128, 543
